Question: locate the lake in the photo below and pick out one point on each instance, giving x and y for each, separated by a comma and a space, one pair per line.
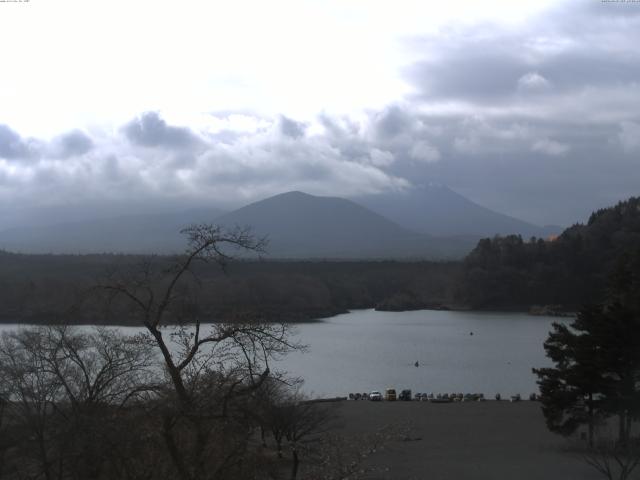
366, 350
457, 352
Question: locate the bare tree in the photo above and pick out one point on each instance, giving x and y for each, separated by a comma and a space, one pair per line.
4, 443
173, 402
211, 368
33, 392
307, 421
65, 389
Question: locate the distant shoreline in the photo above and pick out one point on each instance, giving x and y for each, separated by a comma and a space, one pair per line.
13, 321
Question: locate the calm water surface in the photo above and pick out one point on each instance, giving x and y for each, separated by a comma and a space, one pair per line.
366, 350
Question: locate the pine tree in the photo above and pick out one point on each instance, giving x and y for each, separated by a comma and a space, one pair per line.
597, 360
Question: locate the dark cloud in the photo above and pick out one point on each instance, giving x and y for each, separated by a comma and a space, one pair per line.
579, 68
291, 128
391, 122
73, 143
541, 123
12, 146
149, 130
471, 71
540, 170
574, 46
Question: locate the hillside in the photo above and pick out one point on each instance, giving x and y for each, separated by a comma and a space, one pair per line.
299, 225
573, 269
157, 233
438, 210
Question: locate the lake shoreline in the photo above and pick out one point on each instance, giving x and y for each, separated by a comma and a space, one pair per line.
534, 312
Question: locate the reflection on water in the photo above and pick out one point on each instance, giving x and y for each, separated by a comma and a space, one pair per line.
456, 352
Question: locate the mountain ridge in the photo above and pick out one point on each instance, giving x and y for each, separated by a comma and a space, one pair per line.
439, 210
299, 225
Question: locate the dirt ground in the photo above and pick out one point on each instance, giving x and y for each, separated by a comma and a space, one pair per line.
469, 440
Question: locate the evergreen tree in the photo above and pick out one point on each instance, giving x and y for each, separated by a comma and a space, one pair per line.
597, 360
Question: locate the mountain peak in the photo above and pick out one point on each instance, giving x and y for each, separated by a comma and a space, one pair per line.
438, 210
292, 194
302, 225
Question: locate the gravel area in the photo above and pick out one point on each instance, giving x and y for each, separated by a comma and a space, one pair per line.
468, 440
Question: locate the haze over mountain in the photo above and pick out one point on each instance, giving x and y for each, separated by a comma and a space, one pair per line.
154, 233
298, 225
305, 226
437, 210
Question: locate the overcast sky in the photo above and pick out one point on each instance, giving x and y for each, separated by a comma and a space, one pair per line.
531, 108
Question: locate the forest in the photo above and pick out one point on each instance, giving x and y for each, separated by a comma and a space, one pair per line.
501, 273
567, 271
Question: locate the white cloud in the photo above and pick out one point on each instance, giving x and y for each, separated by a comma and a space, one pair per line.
533, 81
381, 158
256, 160
423, 151
550, 147
477, 135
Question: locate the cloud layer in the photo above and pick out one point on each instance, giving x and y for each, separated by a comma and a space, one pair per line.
540, 121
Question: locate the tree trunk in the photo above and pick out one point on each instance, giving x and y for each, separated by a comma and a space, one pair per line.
174, 373
295, 464
44, 458
590, 420
623, 434
174, 452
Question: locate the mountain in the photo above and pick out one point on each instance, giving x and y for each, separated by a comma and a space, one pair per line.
157, 233
305, 226
438, 210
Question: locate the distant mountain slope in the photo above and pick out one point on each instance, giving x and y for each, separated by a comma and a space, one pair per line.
438, 210
298, 226
158, 233
304, 226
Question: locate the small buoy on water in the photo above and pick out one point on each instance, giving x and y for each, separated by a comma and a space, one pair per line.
417, 364
470, 333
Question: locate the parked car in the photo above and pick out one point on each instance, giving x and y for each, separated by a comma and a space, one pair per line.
390, 394
405, 395
375, 396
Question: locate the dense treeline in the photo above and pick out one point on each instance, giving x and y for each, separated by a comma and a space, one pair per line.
42, 288
570, 270
500, 273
